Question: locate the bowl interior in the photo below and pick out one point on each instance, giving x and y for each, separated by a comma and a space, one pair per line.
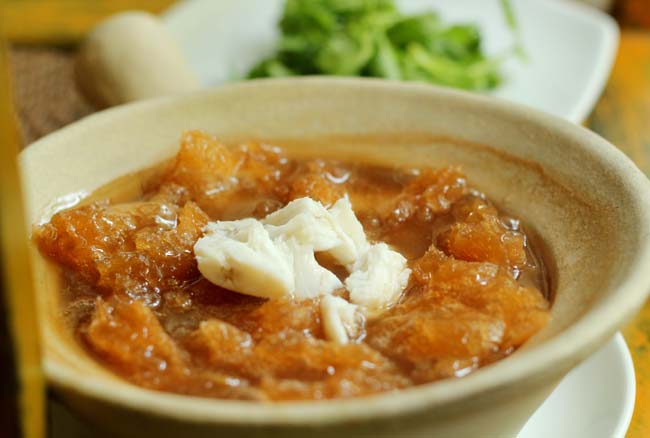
585, 201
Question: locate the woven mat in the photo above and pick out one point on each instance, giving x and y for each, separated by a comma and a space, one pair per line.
45, 94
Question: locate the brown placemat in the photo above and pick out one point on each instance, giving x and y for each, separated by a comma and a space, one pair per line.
46, 97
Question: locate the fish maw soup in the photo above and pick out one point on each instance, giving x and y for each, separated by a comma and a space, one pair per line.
239, 272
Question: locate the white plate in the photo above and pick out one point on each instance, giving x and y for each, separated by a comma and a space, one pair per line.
595, 400
571, 47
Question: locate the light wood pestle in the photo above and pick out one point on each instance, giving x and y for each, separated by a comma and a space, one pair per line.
129, 57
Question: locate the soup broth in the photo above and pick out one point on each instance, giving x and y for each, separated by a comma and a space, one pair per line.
136, 301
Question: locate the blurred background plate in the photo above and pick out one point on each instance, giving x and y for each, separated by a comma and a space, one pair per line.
570, 47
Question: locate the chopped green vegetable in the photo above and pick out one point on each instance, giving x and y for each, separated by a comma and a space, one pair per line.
511, 21
271, 68
432, 67
509, 14
421, 28
345, 54
372, 38
385, 62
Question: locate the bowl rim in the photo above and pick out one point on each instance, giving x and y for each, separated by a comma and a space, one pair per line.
572, 345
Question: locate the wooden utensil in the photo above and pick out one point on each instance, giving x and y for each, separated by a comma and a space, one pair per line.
129, 57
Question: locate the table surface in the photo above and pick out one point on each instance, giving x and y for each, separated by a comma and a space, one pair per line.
622, 115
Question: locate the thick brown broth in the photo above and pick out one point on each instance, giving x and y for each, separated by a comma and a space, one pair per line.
135, 299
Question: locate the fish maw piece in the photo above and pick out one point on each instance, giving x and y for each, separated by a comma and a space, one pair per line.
316, 227
425, 268
282, 317
342, 320
130, 338
220, 346
481, 236
85, 236
486, 287
526, 314
261, 165
310, 278
155, 259
358, 382
308, 358
206, 167
240, 256
313, 180
218, 385
429, 194
447, 331
379, 277
171, 193
99, 241
171, 250
345, 383
438, 189
443, 368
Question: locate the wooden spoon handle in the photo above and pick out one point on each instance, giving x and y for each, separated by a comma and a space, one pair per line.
131, 56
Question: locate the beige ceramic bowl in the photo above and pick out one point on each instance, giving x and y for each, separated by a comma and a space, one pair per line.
589, 204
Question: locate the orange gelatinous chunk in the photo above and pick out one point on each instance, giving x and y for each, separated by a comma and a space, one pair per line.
315, 180
215, 175
288, 365
170, 249
438, 337
78, 238
281, 316
310, 368
204, 166
481, 236
221, 345
130, 338
485, 287
261, 167
137, 249
429, 194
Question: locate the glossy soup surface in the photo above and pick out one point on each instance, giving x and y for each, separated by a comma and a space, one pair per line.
136, 301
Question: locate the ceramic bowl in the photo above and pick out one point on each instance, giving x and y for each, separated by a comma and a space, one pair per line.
587, 202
